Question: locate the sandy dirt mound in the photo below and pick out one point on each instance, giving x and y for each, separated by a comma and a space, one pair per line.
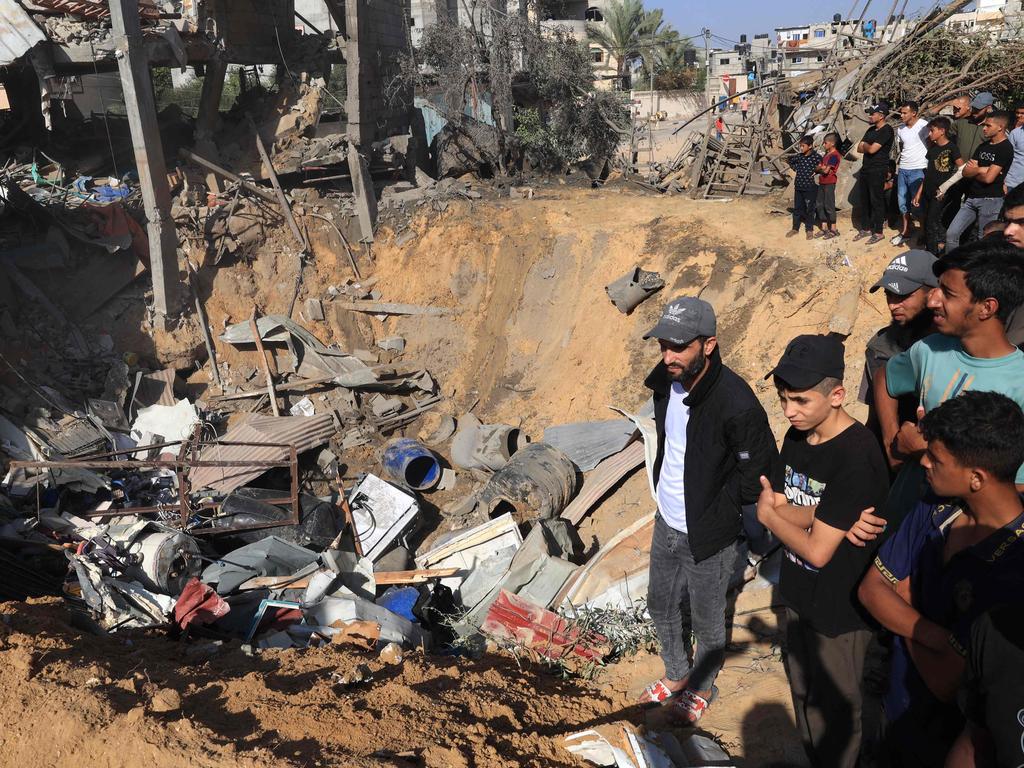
137, 700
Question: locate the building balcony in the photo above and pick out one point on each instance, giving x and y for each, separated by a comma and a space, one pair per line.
576, 27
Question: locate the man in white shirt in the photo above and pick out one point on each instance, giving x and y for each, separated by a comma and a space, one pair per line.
1015, 176
713, 442
913, 134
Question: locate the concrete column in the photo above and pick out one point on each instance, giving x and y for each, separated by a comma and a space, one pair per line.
362, 186
133, 65
208, 116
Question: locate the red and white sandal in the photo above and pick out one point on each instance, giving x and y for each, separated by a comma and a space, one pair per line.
656, 693
690, 707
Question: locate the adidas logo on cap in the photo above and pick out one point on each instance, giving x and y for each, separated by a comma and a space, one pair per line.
899, 264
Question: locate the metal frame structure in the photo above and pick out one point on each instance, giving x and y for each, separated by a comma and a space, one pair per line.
187, 459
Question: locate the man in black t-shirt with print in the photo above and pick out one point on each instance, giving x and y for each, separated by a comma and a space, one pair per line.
943, 161
876, 146
831, 469
985, 173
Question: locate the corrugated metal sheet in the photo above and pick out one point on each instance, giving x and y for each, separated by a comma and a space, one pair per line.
607, 474
18, 33
304, 432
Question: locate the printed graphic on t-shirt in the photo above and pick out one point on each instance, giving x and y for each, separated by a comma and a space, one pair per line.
802, 491
943, 162
959, 382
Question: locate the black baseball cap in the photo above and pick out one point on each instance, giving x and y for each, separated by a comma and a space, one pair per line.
883, 106
908, 272
808, 359
683, 320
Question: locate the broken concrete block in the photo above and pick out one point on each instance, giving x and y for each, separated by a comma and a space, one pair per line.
520, 193
392, 344
633, 288
314, 309
382, 405
391, 654
845, 315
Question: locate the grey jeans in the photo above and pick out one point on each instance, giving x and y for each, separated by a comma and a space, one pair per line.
684, 597
984, 209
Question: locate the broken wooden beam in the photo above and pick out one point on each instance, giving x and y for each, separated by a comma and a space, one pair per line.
390, 308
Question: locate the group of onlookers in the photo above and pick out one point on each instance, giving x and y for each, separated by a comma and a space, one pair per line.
904, 533
950, 173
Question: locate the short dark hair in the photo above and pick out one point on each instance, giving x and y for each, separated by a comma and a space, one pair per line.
835, 138
1003, 117
942, 122
808, 140
912, 104
992, 269
825, 386
1015, 198
980, 429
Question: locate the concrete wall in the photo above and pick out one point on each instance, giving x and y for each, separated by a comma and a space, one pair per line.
377, 38
679, 105
254, 31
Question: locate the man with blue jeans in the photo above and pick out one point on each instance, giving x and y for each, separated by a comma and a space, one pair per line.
714, 443
1015, 176
986, 174
912, 163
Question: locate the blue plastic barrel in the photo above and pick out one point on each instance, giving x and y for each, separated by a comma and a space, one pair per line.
411, 463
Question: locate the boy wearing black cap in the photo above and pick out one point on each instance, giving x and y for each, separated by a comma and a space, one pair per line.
876, 146
832, 469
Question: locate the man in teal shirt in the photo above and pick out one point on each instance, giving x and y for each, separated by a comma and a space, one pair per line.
980, 285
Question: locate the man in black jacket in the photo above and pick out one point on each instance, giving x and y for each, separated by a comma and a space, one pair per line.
714, 443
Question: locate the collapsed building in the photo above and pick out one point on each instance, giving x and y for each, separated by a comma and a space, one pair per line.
54, 56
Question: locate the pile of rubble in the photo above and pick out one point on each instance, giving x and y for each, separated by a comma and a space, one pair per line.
284, 510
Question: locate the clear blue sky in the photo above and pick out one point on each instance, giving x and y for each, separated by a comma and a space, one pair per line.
731, 18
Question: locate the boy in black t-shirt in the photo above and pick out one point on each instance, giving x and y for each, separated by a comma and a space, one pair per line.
985, 173
943, 160
832, 469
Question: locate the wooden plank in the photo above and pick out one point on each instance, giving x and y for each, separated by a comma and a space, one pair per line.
391, 308
264, 364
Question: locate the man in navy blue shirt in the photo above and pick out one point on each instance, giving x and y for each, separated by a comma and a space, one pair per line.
958, 554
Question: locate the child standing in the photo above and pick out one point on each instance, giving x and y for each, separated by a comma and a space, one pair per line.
805, 191
719, 127
828, 172
832, 469
943, 160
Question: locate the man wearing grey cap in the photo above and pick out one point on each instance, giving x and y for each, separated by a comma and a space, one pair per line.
714, 443
907, 281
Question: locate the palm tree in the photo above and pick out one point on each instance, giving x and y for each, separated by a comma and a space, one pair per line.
629, 33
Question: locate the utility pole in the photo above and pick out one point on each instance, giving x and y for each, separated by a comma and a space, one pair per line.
707, 64
133, 65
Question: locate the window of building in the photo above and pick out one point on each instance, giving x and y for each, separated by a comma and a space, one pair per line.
596, 55
819, 33
821, 58
805, 36
412, 21
723, 62
798, 59
593, 14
